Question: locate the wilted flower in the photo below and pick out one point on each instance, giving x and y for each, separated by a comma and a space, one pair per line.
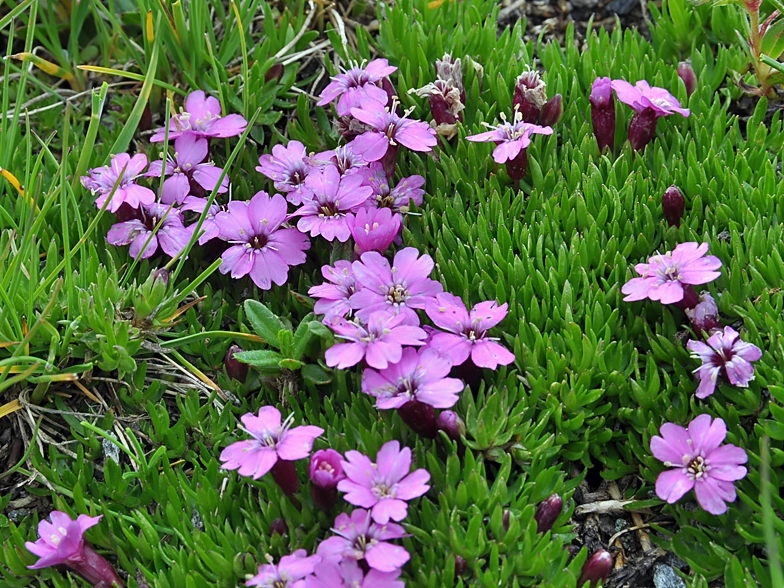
287, 168
202, 118
172, 236
446, 96
397, 199
348, 574
689, 77
673, 205
357, 85
724, 351
596, 568
126, 169
704, 316
289, 573
373, 229
699, 463
530, 94
261, 247
603, 113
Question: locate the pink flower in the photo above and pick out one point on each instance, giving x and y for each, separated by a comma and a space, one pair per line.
172, 236
380, 342
290, 572
357, 86
342, 157
373, 229
398, 289
126, 169
359, 538
348, 574
467, 334
326, 469
699, 463
209, 226
271, 441
202, 118
389, 129
327, 201
186, 166
724, 351
334, 297
398, 199
261, 247
287, 168
664, 276
705, 316
419, 376
385, 486
510, 137
642, 96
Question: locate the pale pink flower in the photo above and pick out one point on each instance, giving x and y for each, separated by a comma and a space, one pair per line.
326, 468
334, 296
172, 236
202, 118
348, 574
389, 130
291, 571
357, 85
126, 169
642, 96
287, 168
723, 352
510, 137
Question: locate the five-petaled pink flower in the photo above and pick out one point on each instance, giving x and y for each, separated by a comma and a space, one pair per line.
358, 537
186, 166
357, 85
373, 229
384, 486
290, 572
326, 200
419, 376
172, 236
397, 199
271, 441
699, 463
398, 289
510, 137
62, 540
724, 351
261, 247
664, 276
348, 574
287, 168
126, 169
642, 96
334, 297
202, 118
389, 130
380, 342
467, 334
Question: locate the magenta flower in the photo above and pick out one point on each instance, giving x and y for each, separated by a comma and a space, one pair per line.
290, 572
380, 342
603, 112
126, 169
271, 441
723, 351
359, 538
664, 277
389, 130
209, 226
202, 118
699, 463
334, 297
384, 486
348, 574
287, 168
399, 198
327, 200
185, 167
642, 96
419, 376
373, 229
326, 469
398, 289
172, 236
357, 86
510, 137
467, 334
261, 247
343, 157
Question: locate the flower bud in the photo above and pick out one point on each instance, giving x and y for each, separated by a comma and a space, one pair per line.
673, 205
235, 369
278, 526
506, 519
95, 569
551, 111
686, 73
373, 229
596, 568
642, 128
573, 551
386, 85
285, 475
530, 94
461, 565
420, 417
517, 167
162, 276
704, 316
603, 113
451, 424
275, 73
325, 473
547, 513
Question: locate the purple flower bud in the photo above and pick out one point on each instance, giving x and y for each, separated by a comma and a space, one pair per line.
596, 568
461, 565
285, 475
673, 205
275, 73
161, 275
686, 73
551, 111
547, 513
690, 298
278, 526
235, 369
573, 551
705, 316
530, 94
325, 473
642, 128
517, 167
603, 113
451, 424
506, 519
420, 417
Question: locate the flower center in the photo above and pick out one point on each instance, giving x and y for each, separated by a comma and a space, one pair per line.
325, 467
397, 294
280, 584
697, 468
384, 491
329, 209
386, 201
258, 242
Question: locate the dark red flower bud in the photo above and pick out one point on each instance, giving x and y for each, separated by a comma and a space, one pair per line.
278, 526
461, 565
551, 111
505, 519
573, 551
285, 475
145, 122
603, 113
517, 167
420, 417
642, 128
690, 298
673, 205
275, 73
161, 275
686, 73
389, 159
451, 424
596, 568
94, 568
547, 513
530, 94
705, 316
235, 369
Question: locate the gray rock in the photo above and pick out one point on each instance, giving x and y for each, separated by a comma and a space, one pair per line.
665, 577
110, 450
621, 7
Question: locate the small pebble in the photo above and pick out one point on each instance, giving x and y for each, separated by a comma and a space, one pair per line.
665, 577
110, 450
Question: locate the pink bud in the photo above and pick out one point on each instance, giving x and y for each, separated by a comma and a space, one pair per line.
530, 94
420, 417
673, 205
642, 128
704, 316
275, 73
551, 111
235, 369
597, 568
373, 229
686, 73
603, 113
278, 526
325, 473
451, 424
461, 565
547, 513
